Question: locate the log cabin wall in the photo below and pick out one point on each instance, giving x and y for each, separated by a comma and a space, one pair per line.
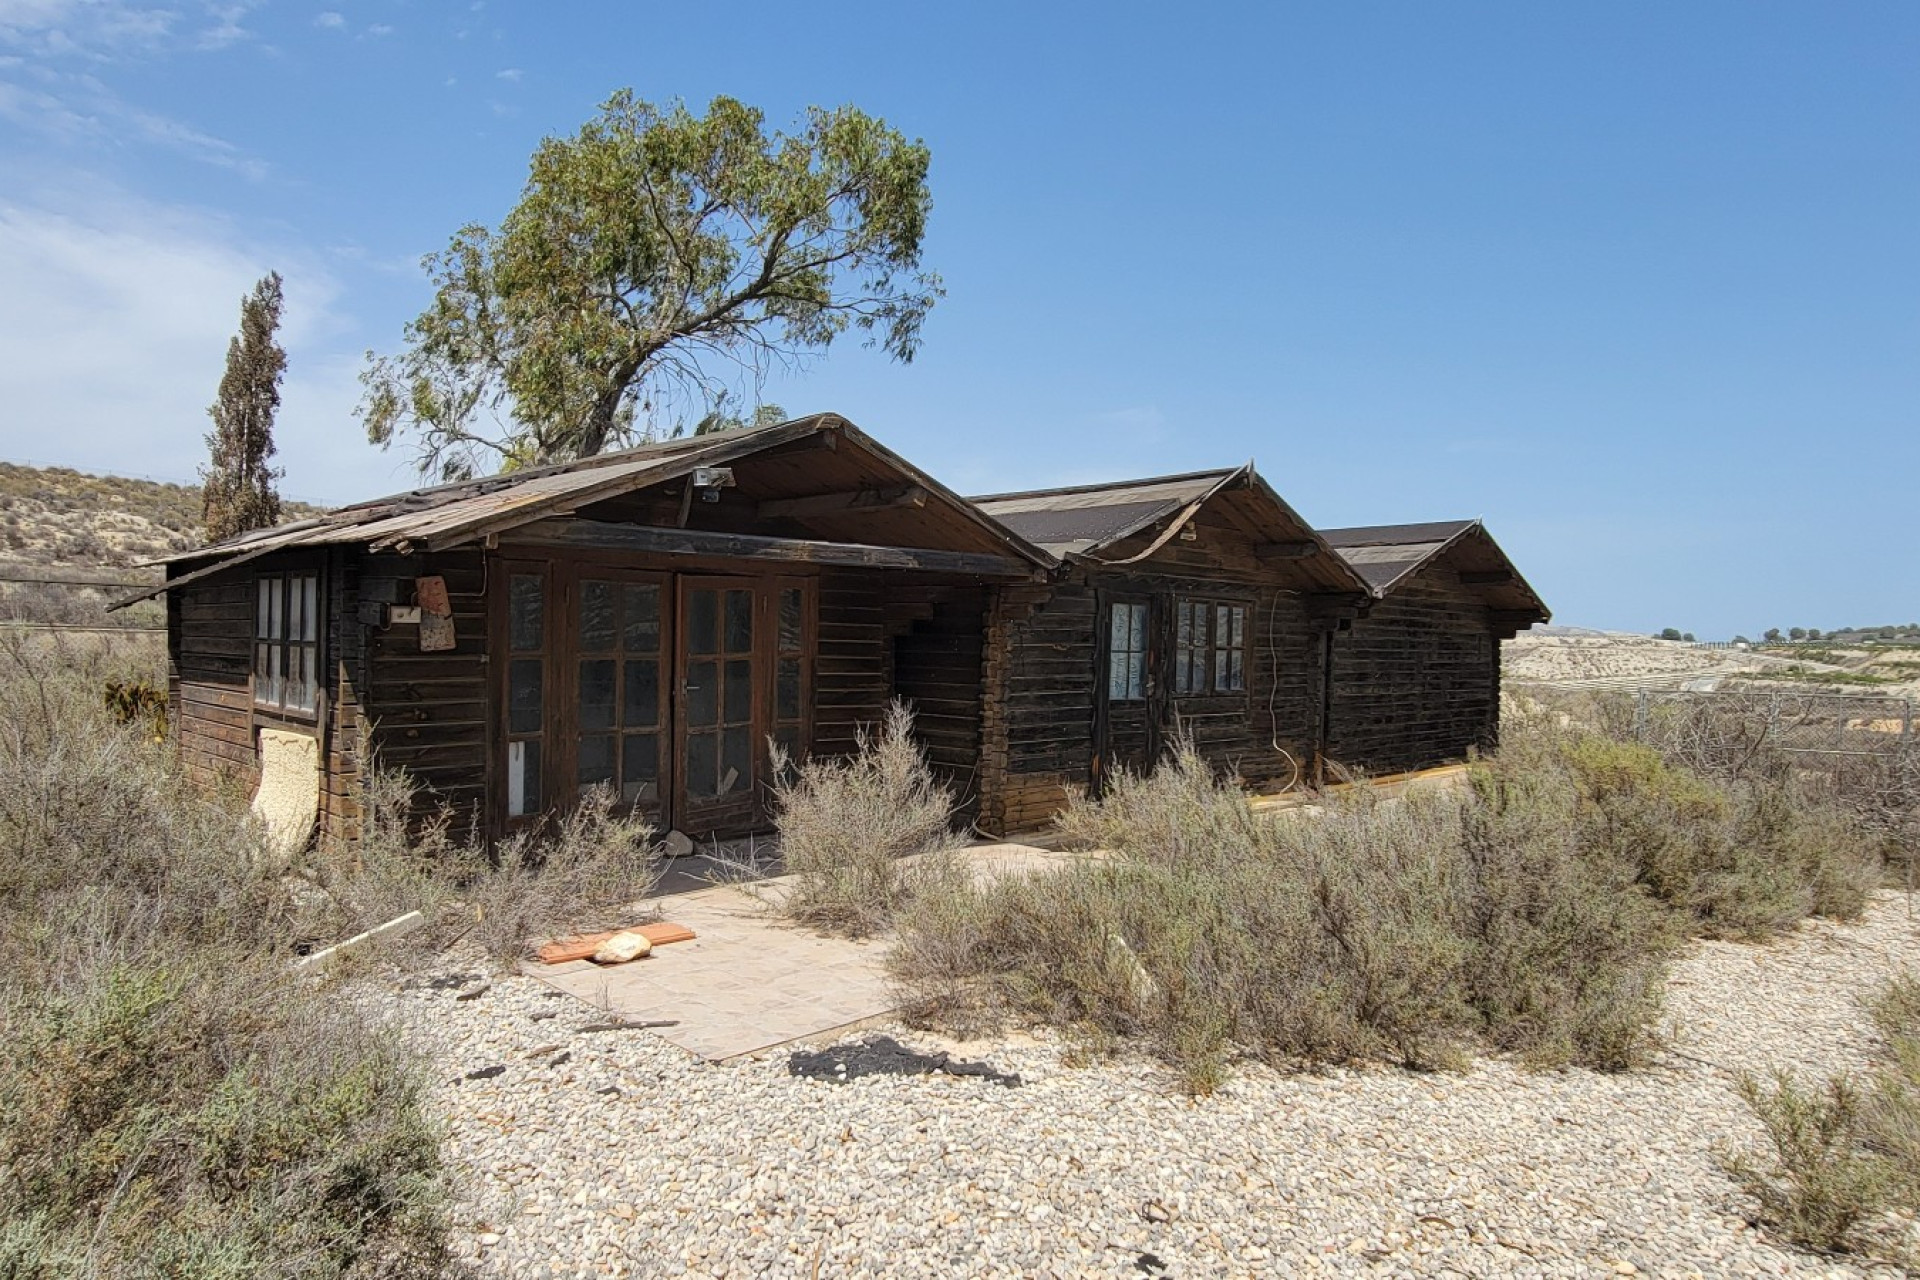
210, 661
853, 672
939, 636
426, 713
1416, 681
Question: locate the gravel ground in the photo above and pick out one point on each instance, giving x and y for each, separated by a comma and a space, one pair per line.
613, 1153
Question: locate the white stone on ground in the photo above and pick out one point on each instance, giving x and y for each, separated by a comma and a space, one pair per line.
614, 1153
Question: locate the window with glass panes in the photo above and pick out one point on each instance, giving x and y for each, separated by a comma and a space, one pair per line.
286, 643
620, 690
526, 691
1127, 651
1210, 645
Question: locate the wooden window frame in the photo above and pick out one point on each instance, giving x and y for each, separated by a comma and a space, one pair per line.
1201, 644
274, 650
1141, 606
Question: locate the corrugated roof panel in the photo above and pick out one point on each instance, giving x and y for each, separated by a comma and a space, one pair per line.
1087, 517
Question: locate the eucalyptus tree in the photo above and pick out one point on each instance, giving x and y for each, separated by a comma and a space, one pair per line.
657, 260
237, 489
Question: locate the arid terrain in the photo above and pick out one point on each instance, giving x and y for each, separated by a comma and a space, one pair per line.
1612, 659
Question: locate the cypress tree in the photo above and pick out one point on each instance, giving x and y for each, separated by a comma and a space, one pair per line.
237, 486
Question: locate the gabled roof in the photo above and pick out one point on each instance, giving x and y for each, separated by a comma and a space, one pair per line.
452, 515
1083, 522
1390, 555
1085, 518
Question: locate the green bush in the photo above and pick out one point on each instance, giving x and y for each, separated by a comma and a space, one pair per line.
174, 1101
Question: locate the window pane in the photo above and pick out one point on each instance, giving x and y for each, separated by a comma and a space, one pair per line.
524, 679
739, 621
703, 621
596, 760
526, 612
739, 700
310, 613
1120, 633
596, 695
786, 700
736, 759
640, 769
703, 693
703, 760
523, 778
1137, 676
790, 621
308, 684
276, 609
1138, 614
1117, 678
263, 610
1236, 677
642, 703
596, 616
640, 618
262, 655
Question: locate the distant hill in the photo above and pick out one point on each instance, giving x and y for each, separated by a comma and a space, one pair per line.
61, 524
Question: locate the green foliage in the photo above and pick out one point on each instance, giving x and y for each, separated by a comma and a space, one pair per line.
237, 485
173, 1100
1670, 633
651, 241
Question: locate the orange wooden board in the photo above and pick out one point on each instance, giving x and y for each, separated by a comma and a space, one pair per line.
582, 946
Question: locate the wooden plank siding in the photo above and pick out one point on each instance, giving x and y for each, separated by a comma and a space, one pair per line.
1416, 681
939, 637
210, 660
426, 713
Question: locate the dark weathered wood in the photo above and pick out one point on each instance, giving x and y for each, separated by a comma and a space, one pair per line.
593, 535
1286, 550
858, 500
1486, 577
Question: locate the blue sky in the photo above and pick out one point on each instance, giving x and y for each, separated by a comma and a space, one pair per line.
1637, 283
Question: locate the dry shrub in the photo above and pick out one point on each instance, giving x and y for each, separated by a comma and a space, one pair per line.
863, 835
1401, 929
174, 1101
1534, 911
1816, 1181
577, 871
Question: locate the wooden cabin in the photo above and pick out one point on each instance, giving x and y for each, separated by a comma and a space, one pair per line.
646, 620
1195, 604
651, 620
1416, 678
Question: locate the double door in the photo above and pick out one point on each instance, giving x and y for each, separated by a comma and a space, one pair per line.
665, 688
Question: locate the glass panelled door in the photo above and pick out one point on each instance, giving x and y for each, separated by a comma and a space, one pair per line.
621, 704
718, 701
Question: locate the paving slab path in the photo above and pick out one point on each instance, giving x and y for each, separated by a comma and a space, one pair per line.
749, 982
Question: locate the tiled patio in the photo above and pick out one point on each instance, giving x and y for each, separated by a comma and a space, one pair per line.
750, 982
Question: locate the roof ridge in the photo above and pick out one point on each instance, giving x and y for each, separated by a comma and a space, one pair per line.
1103, 484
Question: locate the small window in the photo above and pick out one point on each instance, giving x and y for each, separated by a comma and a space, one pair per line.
286, 643
1127, 651
1210, 645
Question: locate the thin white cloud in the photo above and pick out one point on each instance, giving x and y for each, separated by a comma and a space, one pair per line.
97, 29
510, 74
116, 319
376, 31
224, 26
77, 109
328, 20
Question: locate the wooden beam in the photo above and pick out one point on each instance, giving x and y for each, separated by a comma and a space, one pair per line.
595, 535
1286, 550
831, 504
1486, 577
